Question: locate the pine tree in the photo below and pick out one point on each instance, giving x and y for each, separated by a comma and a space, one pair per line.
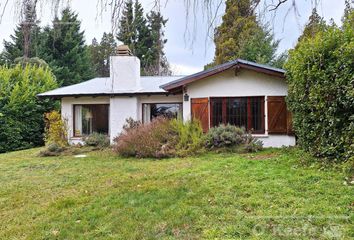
143, 40
242, 36
314, 25
65, 51
126, 30
21, 46
158, 64
100, 53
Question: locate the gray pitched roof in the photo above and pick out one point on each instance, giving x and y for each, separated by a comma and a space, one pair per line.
103, 86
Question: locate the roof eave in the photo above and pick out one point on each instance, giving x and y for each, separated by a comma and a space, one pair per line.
59, 96
177, 86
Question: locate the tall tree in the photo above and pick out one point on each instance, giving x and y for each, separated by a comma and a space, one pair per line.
314, 25
26, 39
100, 53
242, 36
158, 64
65, 51
143, 39
126, 32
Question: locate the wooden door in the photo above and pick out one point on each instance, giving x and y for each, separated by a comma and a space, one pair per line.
277, 115
200, 111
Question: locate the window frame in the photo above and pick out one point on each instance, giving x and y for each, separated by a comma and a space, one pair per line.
224, 101
92, 104
142, 108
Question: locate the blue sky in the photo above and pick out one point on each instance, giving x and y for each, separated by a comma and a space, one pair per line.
184, 55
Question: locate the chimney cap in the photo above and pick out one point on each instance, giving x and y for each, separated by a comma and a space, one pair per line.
124, 50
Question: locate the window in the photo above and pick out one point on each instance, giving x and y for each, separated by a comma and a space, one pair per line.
90, 118
247, 112
168, 110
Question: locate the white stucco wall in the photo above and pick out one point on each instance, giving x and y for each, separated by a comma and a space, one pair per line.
121, 108
245, 84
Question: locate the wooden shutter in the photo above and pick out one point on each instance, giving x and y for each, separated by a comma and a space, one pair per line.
290, 129
200, 111
277, 115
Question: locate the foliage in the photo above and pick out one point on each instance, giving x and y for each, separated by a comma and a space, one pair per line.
315, 24
97, 140
189, 137
32, 61
183, 198
252, 144
53, 149
320, 74
241, 35
229, 137
127, 32
225, 136
160, 138
101, 52
64, 49
21, 112
145, 37
131, 124
56, 130
157, 64
147, 140
17, 46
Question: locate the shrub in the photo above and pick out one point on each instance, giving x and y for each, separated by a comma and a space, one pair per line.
52, 149
56, 130
229, 137
225, 136
97, 140
130, 124
21, 112
252, 144
147, 140
189, 137
320, 74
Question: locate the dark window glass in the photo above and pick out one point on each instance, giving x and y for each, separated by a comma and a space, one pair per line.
257, 116
168, 110
246, 112
216, 111
90, 118
237, 111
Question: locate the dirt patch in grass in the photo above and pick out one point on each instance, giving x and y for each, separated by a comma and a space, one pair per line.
265, 156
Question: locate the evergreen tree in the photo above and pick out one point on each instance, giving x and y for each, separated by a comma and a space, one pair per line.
157, 64
314, 25
21, 46
126, 32
65, 51
143, 40
348, 18
100, 53
241, 36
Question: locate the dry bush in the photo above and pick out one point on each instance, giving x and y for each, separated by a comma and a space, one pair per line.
155, 139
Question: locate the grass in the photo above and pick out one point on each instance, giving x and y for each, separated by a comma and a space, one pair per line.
267, 195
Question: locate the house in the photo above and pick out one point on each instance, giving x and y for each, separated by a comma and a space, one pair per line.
240, 92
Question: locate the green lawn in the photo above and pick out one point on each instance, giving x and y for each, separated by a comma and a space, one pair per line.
267, 195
